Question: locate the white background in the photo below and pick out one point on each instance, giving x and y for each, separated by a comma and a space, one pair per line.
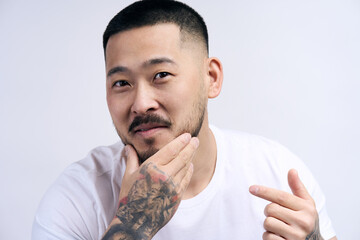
292, 73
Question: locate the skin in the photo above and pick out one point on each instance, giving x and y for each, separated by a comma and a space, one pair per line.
289, 216
153, 191
172, 78
152, 70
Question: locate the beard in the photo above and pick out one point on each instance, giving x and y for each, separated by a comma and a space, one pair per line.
193, 129
192, 125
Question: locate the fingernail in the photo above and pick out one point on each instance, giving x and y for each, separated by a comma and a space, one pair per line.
196, 142
186, 137
254, 189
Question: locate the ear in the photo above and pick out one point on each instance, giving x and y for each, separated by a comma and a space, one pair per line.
215, 74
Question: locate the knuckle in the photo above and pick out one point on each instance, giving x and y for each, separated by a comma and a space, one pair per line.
306, 223
183, 160
150, 166
270, 209
268, 223
312, 201
282, 198
269, 236
153, 170
189, 151
313, 211
182, 186
172, 152
299, 235
186, 156
309, 228
179, 188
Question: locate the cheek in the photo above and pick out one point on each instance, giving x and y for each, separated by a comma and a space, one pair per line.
116, 107
179, 100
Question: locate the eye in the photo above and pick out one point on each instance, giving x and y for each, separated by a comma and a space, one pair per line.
121, 83
161, 75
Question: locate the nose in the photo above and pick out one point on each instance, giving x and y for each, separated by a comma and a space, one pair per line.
144, 100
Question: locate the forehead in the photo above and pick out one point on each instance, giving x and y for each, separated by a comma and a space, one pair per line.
144, 41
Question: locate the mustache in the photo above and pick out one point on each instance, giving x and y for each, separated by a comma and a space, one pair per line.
150, 118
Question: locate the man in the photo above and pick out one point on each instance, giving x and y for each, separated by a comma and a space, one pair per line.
174, 176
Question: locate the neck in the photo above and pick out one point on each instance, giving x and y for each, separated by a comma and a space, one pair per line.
204, 162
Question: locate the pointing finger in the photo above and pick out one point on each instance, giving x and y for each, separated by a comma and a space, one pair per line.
132, 165
184, 157
132, 161
172, 149
277, 196
186, 179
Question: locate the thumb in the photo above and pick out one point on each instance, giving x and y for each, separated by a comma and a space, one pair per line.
297, 187
132, 161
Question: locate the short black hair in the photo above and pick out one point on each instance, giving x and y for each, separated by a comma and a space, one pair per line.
152, 12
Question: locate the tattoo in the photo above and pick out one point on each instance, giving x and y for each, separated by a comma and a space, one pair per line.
150, 204
315, 234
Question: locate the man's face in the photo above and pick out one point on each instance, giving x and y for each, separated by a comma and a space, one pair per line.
155, 86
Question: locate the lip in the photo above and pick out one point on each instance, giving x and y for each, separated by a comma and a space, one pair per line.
148, 130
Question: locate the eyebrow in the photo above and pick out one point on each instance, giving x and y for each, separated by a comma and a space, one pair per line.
151, 62
117, 69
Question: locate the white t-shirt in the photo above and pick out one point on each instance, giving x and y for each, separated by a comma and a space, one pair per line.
83, 200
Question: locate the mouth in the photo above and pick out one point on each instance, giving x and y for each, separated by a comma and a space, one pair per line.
148, 129
147, 126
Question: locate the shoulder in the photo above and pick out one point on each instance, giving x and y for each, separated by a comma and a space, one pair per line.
91, 183
261, 159
250, 143
101, 165
98, 161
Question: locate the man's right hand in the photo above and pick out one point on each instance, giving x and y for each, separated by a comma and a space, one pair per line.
151, 193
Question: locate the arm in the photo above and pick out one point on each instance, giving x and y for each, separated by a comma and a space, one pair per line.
151, 193
289, 216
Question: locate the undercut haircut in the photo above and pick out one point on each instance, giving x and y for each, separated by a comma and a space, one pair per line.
152, 12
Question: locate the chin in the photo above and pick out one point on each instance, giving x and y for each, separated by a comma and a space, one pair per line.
144, 155
150, 146
154, 143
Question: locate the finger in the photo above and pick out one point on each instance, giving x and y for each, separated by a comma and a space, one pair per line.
184, 183
183, 158
277, 196
297, 187
279, 212
277, 227
172, 149
132, 161
271, 236
182, 173
132, 165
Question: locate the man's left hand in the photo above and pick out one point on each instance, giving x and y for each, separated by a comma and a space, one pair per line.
289, 216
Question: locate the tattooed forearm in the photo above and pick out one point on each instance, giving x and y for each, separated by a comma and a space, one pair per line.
150, 204
315, 235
